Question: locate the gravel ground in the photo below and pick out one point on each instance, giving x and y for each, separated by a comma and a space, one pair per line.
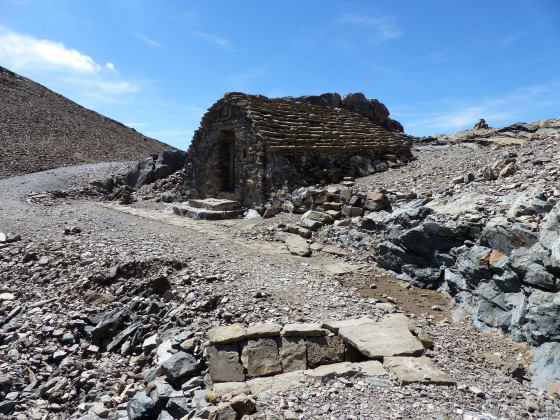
226, 273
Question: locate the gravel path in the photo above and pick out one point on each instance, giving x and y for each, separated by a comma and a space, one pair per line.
216, 278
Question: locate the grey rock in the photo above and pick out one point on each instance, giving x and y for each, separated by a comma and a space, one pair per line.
545, 367
530, 272
178, 407
122, 336
7, 406
141, 406
543, 313
260, 357
180, 366
293, 354
108, 324
223, 363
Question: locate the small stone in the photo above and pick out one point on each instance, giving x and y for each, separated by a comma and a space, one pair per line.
531, 405
7, 296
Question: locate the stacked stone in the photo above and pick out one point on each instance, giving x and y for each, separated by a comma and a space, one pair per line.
290, 126
333, 202
239, 354
284, 142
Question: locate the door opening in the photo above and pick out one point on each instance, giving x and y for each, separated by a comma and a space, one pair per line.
227, 160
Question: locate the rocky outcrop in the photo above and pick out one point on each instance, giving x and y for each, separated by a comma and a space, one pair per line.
502, 273
156, 166
356, 102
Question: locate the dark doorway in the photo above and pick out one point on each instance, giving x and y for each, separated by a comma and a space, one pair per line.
227, 160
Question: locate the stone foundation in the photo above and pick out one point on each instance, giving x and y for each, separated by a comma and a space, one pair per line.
247, 356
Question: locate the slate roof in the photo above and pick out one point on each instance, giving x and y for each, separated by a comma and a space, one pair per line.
289, 126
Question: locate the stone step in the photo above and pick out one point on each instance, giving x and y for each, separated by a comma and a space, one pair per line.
205, 214
214, 204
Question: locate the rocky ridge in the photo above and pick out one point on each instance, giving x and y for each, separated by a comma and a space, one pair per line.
41, 130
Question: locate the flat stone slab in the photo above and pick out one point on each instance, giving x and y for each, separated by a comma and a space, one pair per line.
214, 204
298, 246
334, 325
409, 370
342, 268
302, 330
396, 320
226, 335
263, 330
204, 214
335, 250
317, 216
233, 388
346, 369
371, 368
383, 339
276, 384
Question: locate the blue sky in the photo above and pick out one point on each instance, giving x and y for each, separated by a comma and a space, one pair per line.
438, 65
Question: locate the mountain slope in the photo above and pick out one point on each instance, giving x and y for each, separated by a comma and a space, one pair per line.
40, 129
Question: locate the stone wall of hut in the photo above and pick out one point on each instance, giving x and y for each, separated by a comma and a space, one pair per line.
206, 157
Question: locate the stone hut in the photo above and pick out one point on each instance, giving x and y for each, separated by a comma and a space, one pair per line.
249, 146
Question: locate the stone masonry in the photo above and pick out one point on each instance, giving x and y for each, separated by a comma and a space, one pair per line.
237, 354
249, 146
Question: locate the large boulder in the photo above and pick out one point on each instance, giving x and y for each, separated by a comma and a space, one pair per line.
546, 365
543, 313
423, 252
156, 167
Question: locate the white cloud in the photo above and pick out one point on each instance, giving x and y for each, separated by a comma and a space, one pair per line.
136, 124
21, 51
512, 39
221, 42
524, 104
70, 71
380, 29
243, 80
151, 42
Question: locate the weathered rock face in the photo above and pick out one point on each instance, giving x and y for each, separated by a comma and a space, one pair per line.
356, 102
508, 280
156, 166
